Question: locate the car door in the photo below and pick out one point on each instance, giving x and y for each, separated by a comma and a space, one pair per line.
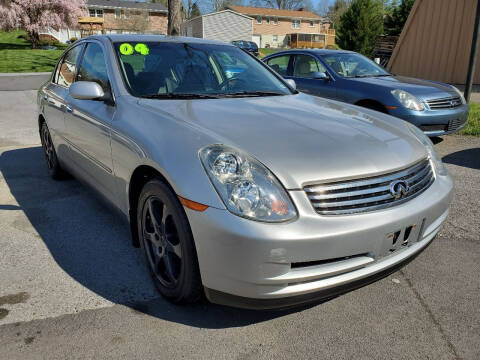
54, 98
88, 124
304, 68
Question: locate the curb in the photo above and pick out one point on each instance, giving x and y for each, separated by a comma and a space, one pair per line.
22, 81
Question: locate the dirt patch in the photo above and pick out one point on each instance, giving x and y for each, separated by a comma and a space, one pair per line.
13, 299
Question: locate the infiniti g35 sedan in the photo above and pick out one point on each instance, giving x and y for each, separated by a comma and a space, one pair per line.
436, 108
235, 185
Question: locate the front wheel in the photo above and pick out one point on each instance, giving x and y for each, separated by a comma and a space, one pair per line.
167, 242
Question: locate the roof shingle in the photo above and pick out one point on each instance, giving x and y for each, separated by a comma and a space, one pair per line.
252, 11
127, 5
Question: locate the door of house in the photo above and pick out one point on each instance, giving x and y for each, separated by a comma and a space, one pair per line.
257, 39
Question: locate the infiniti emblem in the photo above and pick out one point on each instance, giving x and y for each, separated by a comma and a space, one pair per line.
399, 189
453, 103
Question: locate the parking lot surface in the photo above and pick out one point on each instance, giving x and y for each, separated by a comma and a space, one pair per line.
72, 287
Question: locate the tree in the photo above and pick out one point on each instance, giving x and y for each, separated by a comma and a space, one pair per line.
174, 17
395, 21
195, 11
285, 4
360, 25
336, 11
36, 15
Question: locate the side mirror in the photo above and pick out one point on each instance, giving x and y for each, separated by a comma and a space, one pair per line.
86, 90
321, 75
292, 83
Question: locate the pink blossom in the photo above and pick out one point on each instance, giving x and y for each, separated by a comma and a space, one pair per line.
36, 15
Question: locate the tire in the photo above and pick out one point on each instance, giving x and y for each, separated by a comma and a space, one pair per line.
53, 165
375, 106
167, 242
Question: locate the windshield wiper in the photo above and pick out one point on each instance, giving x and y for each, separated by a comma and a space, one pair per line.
180, 96
252, 94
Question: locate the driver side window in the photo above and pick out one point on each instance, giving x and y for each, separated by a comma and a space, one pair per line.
305, 66
93, 67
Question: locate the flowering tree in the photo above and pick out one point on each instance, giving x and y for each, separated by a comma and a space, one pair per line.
35, 15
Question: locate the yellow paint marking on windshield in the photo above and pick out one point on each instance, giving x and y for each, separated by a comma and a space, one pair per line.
142, 49
126, 49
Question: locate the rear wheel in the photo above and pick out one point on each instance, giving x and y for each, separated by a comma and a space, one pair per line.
167, 242
53, 165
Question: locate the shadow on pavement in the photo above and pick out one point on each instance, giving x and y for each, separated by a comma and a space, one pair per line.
91, 243
469, 158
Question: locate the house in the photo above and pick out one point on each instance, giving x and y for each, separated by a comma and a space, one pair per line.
115, 17
125, 17
225, 25
292, 28
436, 40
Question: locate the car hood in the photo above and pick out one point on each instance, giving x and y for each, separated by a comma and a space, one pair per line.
300, 138
424, 89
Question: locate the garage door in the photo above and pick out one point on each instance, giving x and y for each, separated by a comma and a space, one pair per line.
257, 39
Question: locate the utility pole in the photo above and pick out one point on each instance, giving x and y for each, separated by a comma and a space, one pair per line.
473, 55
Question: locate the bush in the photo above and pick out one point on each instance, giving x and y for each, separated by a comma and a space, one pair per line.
48, 42
73, 39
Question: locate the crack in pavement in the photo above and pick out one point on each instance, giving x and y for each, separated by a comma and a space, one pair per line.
430, 315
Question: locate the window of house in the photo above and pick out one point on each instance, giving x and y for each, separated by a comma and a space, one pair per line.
118, 14
275, 38
95, 12
267, 20
93, 67
259, 19
147, 16
66, 71
126, 14
280, 64
275, 20
295, 23
312, 24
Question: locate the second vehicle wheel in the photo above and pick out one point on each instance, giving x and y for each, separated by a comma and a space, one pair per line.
167, 242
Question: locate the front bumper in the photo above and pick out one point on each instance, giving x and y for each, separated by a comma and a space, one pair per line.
258, 265
441, 122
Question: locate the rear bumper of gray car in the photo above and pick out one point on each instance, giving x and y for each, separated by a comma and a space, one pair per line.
258, 265
436, 122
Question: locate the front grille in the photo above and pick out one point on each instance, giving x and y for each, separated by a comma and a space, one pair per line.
455, 124
369, 194
444, 103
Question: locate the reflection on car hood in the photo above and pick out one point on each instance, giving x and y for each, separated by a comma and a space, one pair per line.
424, 89
302, 138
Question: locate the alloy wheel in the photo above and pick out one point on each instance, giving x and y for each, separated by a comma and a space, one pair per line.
161, 241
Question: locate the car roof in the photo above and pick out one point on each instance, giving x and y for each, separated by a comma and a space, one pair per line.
313, 51
158, 38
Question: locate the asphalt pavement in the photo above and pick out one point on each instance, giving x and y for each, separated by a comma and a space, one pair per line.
72, 287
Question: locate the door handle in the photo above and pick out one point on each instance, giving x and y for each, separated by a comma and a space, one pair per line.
68, 109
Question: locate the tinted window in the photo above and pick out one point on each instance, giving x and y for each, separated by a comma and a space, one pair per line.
66, 71
93, 67
305, 66
172, 68
353, 65
280, 64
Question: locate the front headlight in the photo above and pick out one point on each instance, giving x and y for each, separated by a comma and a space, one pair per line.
247, 187
440, 169
408, 100
459, 94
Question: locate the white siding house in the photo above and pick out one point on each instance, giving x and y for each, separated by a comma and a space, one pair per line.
226, 25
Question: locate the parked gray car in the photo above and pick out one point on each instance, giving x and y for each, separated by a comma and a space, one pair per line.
239, 187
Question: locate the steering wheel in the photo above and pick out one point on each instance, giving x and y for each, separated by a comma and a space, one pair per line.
226, 83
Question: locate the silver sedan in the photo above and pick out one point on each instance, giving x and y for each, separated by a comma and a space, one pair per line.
235, 185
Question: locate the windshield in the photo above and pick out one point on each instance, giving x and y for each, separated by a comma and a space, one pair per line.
182, 70
353, 65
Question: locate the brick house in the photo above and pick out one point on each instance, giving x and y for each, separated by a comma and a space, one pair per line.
292, 28
123, 17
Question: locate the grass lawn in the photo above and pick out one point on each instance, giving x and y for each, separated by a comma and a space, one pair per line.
473, 124
17, 55
264, 51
